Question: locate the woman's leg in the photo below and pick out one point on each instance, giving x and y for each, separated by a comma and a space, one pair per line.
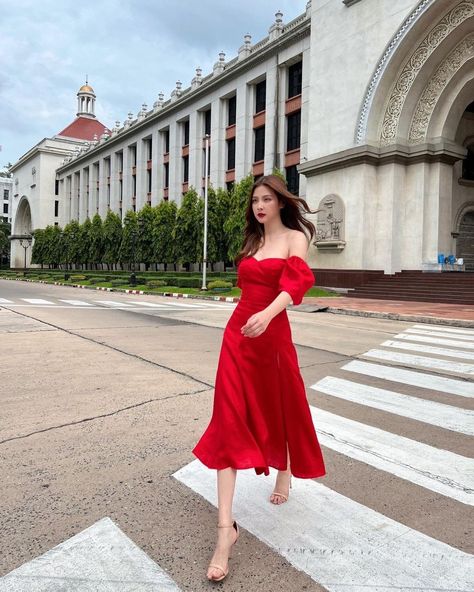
282, 483
225, 536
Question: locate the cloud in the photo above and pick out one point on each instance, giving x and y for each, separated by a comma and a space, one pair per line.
131, 51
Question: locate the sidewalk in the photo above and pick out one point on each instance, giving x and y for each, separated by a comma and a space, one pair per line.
456, 315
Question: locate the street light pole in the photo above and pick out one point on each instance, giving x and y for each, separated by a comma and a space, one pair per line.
206, 183
25, 242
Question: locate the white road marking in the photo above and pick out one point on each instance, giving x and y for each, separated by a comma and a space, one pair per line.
412, 378
341, 544
440, 334
435, 363
444, 329
428, 349
36, 301
113, 303
5, 301
439, 470
432, 412
151, 304
100, 558
76, 302
436, 340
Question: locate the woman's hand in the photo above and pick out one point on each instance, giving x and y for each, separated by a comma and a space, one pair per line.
256, 324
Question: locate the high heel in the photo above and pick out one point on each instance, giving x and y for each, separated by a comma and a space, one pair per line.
215, 565
281, 495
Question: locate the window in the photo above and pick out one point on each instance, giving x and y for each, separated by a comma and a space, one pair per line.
260, 96
134, 185
166, 141
230, 186
166, 175
207, 122
149, 149
56, 187
56, 208
148, 181
232, 110
6, 194
294, 131
204, 163
133, 155
5, 208
294, 79
259, 144
231, 154
468, 164
186, 133
120, 161
293, 179
185, 169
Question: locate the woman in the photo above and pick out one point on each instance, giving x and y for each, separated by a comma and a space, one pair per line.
261, 416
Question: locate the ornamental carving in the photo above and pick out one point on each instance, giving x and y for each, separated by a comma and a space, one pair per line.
430, 95
330, 221
446, 25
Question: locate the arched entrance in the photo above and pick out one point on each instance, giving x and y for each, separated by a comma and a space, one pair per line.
22, 228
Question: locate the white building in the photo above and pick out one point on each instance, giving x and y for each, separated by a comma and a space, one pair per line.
6, 185
371, 101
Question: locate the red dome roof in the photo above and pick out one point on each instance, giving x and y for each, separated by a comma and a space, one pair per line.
84, 128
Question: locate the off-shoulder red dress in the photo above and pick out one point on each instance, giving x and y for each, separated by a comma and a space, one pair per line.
260, 400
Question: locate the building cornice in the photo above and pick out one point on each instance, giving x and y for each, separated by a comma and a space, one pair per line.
295, 30
442, 151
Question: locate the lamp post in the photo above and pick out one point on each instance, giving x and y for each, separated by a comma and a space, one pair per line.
206, 183
25, 242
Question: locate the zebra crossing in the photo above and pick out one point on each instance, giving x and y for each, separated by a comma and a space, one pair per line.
340, 543
95, 304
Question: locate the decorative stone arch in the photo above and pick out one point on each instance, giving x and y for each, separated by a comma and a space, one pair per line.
22, 229
426, 64
330, 225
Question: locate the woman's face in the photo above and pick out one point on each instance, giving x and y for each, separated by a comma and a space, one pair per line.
265, 204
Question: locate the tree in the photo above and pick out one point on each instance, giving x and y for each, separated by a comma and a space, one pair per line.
224, 201
5, 230
146, 221
163, 229
185, 230
127, 253
71, 251
38, 252
235, 224
85, 243
112, 235
97, 240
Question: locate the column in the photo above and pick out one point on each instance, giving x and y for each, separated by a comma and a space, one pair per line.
244, 130
141, 174
271, 116
195, 151
218, 145
156, 168
126, 182
175, 164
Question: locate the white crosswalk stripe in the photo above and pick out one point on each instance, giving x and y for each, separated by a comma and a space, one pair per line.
5, 301
412, 378
113, 303
439, 470
76, 302
443, 329
441, 334
340, 543
424, 362
432, 412
428, 349
37, 301
457, 342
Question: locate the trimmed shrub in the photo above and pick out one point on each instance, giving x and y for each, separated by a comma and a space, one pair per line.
118, 282
97, 279
219, 284
77, 278
156, 283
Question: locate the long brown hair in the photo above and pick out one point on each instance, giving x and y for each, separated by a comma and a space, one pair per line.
291, 215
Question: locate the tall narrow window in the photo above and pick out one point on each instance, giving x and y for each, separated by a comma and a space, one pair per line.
186, 133
56, 208
232, 110
166, 141
293, 139
56, 187
185, 169
259, 153
207, 122
295, 79
293, 179
231, 154
260, 96
166, 175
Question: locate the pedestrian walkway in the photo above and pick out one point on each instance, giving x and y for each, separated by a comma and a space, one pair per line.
453, 314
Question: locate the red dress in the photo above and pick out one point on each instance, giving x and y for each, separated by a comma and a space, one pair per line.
259, 399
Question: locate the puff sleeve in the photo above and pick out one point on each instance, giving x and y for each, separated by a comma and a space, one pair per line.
296, 278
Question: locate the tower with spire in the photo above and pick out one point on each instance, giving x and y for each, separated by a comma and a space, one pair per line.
86, 101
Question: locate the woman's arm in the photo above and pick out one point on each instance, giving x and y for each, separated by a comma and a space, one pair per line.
258, 322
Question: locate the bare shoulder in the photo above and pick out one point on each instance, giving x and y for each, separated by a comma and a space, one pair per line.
297, 243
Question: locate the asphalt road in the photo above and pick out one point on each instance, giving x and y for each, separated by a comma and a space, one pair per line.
103, 396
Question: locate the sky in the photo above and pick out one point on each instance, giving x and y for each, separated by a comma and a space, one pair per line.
130, 50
